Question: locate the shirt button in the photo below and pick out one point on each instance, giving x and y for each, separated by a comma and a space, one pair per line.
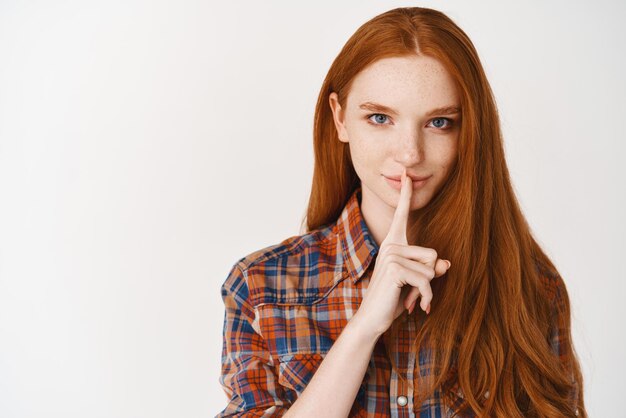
402, 400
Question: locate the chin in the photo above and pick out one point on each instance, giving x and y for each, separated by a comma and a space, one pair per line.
420, 200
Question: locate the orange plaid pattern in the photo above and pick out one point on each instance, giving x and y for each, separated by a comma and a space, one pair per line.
286, 304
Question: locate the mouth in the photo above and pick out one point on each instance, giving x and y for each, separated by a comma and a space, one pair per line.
413, 177
395, 181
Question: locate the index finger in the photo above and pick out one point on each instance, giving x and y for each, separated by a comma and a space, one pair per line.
397, 230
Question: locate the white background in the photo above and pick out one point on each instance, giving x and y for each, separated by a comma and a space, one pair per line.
145, 146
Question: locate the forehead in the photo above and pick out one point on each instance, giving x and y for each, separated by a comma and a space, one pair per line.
412, 82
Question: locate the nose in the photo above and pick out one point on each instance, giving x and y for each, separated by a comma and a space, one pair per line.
409, 149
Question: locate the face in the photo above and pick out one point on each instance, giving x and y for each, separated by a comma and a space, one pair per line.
401, 112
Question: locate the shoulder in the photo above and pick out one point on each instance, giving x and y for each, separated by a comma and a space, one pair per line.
555, 292
551, 282
299, 269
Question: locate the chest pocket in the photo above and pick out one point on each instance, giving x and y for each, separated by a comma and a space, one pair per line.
295, 372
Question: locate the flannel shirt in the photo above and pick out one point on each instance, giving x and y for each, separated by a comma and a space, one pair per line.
286, 304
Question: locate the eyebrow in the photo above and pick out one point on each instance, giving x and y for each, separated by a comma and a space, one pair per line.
376, 107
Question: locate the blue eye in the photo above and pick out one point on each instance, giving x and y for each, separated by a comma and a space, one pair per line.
379, 118
440, 122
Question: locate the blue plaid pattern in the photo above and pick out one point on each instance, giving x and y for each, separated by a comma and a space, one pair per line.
286, 304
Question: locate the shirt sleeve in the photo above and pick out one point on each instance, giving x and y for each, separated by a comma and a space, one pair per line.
248, 374
561, 339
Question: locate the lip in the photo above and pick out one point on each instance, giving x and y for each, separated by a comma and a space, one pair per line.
395, 183
413, 177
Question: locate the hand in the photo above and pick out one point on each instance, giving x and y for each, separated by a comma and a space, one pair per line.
402, 272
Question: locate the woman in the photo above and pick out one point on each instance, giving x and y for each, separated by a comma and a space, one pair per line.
411, 204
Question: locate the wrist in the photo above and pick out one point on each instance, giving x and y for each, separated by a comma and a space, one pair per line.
359, 327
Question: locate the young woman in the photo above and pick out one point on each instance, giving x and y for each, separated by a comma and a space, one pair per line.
411, 205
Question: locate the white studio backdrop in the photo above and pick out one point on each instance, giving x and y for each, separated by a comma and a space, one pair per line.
145, 146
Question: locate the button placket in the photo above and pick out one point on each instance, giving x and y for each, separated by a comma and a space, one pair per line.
401, 386
402, 389
397, 391
410, 370
394, 388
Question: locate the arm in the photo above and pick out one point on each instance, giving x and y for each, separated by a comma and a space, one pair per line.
248, 377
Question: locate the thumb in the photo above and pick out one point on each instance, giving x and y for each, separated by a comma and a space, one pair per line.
442, 267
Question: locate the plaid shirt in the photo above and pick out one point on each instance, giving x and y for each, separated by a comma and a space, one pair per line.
285, 306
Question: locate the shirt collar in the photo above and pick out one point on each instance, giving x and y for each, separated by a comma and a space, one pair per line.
358, 246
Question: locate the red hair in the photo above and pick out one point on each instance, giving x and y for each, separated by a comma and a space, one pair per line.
492, 315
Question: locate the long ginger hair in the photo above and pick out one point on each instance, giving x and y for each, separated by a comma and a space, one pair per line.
492, 316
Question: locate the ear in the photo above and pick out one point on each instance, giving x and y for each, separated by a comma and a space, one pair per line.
338, 117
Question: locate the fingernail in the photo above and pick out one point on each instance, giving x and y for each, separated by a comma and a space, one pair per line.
428, 309
412, 307
449, 263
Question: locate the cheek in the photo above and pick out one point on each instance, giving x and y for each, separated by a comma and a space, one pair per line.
359, 159
447, 155
366, 154
449, 161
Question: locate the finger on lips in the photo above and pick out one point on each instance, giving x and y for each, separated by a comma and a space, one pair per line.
397, 235
397, 230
